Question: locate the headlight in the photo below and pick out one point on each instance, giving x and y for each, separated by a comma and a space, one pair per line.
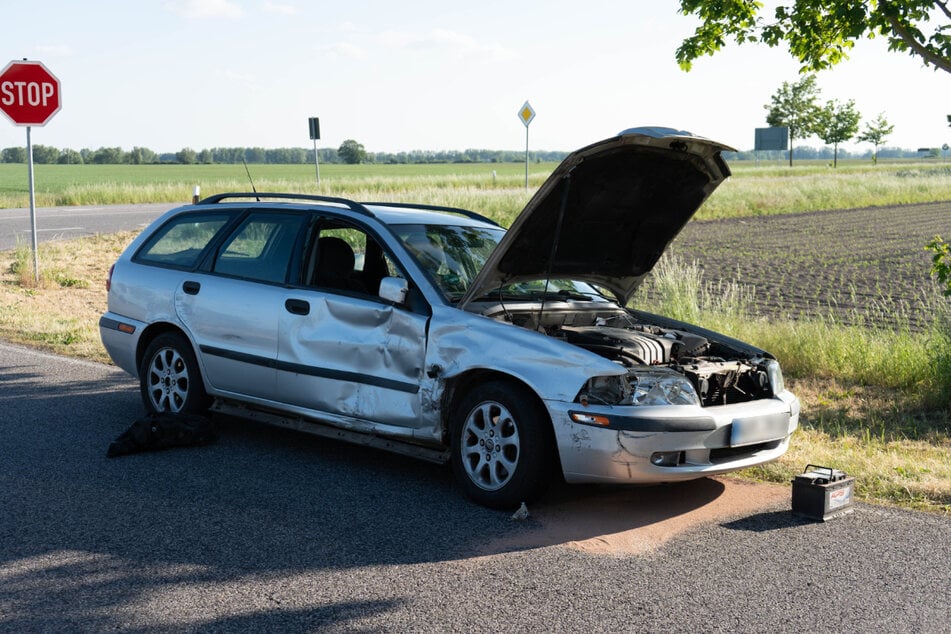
775, 375
649, 387
606, 390
663, 388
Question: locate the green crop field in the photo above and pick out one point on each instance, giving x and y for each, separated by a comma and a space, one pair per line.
58, 178
104, 184
494, 189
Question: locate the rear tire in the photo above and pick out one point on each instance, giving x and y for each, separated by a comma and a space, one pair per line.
501, 452
169, 377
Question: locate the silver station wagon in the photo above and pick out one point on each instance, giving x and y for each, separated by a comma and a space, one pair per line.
436, 333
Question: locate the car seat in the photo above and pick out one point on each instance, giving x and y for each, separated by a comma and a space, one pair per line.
335, 265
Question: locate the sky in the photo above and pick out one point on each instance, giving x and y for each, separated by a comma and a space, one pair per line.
421, 75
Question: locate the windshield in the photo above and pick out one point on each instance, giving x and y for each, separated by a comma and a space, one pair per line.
452, 256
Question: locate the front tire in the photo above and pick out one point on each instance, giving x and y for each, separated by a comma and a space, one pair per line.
169, 377
501, 453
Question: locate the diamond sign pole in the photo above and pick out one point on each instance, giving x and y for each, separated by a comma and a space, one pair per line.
526, 114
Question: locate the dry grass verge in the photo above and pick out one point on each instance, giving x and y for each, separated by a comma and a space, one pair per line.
59, 313
898, 451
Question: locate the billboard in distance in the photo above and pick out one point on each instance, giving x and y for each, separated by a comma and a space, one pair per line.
771, 139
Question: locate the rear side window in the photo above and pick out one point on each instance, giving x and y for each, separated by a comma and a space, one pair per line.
180, 242
261, 248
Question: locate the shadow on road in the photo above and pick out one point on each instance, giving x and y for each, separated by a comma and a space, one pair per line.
101, 535
769, 521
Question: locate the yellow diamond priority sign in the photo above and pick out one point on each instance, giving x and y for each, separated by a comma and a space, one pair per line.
526, 114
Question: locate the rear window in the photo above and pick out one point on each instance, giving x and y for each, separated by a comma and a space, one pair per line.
180, 242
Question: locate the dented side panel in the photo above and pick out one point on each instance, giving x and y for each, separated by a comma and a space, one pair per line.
354, 357
462, 341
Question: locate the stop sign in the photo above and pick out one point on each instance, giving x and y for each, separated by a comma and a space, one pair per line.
29, 93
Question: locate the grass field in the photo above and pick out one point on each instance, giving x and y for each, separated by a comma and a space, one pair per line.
496, 190
842, 298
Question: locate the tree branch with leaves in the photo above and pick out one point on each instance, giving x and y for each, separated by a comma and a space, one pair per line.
941, 263
820, 33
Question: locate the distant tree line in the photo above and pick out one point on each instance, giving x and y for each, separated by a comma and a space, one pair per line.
281, 156
828, 153
349, 153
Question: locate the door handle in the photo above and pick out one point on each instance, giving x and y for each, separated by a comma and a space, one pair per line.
191, 288
297, 306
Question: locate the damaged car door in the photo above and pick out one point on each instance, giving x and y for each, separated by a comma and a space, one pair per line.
344, 351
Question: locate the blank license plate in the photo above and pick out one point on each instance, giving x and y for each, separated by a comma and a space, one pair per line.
749, 431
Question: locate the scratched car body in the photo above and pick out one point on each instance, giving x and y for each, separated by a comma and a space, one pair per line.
436, 333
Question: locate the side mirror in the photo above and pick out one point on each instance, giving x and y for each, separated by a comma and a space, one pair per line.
394, 289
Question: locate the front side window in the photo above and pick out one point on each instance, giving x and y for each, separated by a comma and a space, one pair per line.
451, 256
181, 241
344, 257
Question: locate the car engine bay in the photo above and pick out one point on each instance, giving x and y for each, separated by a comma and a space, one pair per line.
720, 374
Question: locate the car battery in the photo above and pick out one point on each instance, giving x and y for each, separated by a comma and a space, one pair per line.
822, 493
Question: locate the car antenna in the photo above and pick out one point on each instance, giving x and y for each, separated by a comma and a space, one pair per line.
258, 198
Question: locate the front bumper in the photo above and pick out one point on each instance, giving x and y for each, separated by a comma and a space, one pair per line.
694, 442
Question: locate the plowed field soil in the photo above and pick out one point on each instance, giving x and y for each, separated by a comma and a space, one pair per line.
861, 265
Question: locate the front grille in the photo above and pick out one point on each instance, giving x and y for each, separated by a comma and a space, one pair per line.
726, 454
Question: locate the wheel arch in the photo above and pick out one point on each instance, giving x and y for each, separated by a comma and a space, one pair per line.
184, 383
460, 385
154, 330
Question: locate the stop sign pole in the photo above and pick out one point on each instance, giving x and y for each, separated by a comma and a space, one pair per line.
29, 96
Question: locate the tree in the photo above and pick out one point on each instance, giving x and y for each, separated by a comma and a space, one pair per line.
186, 155
107, 156
875, 132
46, 154
255, 155
14, 155
835, 123
794, 106
351, 152
70, 157
820, 33
142, 156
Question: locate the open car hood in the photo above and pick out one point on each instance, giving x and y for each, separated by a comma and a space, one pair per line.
608, 212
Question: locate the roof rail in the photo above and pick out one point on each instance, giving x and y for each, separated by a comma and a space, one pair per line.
350, 204
453, 210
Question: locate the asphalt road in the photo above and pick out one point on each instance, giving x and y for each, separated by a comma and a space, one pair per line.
55, 223
270, 530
